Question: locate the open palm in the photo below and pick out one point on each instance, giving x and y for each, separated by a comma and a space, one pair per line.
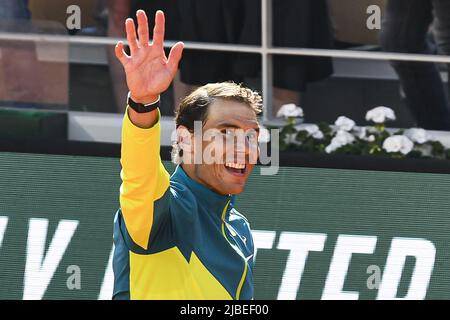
148, 71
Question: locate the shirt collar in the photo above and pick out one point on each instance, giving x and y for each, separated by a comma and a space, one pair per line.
214, 201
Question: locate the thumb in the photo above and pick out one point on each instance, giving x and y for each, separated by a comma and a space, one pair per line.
120, 53
174, 57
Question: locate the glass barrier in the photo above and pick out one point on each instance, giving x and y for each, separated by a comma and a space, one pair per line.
33, 74
69, 73
380, 25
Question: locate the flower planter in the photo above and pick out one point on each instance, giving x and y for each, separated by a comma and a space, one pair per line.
362, 162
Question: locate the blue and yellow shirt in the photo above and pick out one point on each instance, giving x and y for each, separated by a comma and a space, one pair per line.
174, 238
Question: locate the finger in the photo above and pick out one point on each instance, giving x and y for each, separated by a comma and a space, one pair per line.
159, 29
120, 53
143, 28
174, 57
131, 35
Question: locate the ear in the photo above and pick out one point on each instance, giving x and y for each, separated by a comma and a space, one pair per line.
184, 139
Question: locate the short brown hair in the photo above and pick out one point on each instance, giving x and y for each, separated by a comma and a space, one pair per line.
194, 107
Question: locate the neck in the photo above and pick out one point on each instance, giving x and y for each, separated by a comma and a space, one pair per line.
190, 170
213, 200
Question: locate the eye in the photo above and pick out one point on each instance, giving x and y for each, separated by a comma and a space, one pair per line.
228, 132
251, 136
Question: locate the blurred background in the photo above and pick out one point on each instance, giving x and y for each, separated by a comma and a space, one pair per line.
57, 58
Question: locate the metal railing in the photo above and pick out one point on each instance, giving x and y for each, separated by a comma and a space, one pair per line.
266, 50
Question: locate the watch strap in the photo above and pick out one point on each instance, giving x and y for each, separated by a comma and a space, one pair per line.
143, 108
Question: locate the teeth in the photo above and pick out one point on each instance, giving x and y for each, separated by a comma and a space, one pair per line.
235, 165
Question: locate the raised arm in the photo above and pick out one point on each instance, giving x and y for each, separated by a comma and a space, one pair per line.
149, 73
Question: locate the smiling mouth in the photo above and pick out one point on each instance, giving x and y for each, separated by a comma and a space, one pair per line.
235, 168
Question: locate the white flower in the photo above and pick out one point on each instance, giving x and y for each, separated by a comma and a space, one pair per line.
380, 114
318, 135
290, 110
264, 135
398, 143
344, 123
312, 129
332, 147
291, 138
417, 135
362, 134
341, 139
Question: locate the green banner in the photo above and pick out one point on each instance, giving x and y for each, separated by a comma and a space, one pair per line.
320, 233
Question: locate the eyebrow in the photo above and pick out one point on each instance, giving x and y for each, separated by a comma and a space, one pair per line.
232, 125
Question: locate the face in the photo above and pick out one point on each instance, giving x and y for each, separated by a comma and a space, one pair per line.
230, 150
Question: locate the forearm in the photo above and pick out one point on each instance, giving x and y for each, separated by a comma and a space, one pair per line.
144, 179
140, 158
143, 120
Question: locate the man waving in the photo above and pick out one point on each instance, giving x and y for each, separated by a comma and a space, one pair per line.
180, 237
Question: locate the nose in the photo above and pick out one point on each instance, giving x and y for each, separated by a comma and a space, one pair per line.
246, 149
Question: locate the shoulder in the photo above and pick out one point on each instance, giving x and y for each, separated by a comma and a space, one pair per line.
182, 199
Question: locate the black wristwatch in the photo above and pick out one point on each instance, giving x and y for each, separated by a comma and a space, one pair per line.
140, 107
